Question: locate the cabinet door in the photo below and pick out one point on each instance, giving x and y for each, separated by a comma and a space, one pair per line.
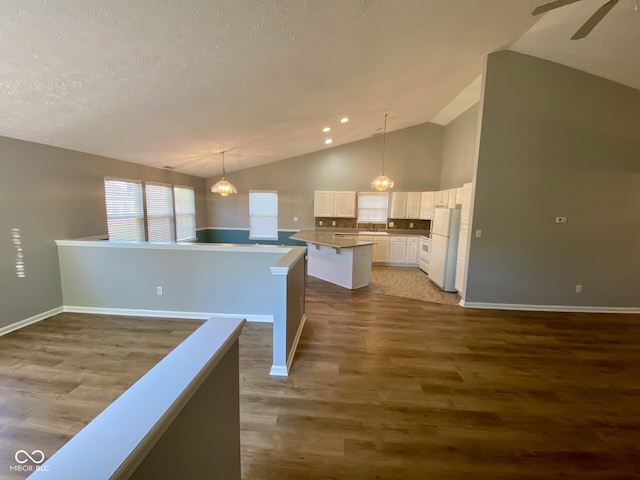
398, 205
463, 241
453, 197
380, 252
465, 214
426, 205
397, 252
460, 276
345, 204
413, 205
442, 198
412, 253
323, 204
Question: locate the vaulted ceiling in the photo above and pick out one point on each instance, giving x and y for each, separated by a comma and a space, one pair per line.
171, 83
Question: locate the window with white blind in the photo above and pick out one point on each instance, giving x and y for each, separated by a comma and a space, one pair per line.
263, 215
372, 207
185, 209
125, 213
159, 199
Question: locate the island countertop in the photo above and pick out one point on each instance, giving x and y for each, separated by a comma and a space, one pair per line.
329, 239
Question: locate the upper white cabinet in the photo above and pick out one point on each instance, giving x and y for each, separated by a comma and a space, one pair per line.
413, 205
465, 213
405, 205
441, 198
334, 204
426, 205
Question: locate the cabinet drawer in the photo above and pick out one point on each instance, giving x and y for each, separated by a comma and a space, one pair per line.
398, 239
412, 240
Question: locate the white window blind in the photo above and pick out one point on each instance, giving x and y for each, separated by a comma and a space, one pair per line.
372, 207
185, 206
263, 215
159, 199
125, 213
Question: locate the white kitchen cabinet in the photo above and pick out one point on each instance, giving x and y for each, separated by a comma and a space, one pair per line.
426, 205
441, 198
413, 205
458, 200
334, 204
405, 205
380, 252
413, 250
461, 260
345, 204
398, 250
465, 214
398, 207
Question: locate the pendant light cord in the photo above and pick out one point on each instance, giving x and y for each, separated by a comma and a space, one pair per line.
384, 141
223, 170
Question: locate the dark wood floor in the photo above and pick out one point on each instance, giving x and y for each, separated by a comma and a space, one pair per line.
382, 387
391, 388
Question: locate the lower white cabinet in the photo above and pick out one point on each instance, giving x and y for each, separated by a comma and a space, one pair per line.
398, 250
380, 253
413, 254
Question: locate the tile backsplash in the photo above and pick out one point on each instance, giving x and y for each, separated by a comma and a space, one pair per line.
406, 224
335, 222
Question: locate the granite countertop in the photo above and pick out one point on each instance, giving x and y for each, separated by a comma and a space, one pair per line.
330, 239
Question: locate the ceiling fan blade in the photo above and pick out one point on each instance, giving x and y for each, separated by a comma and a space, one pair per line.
590, 24
552, 6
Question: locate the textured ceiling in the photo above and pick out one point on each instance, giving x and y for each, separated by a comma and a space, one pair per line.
174, 82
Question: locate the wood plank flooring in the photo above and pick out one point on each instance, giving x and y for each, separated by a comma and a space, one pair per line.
381, 387
392, 388
59, 374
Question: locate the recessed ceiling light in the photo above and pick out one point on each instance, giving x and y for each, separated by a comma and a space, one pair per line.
326, 129
328, 141
344, 119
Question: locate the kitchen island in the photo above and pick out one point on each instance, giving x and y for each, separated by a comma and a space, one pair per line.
340, 259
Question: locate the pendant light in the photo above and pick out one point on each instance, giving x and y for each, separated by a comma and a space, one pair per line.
382, 182
223, 187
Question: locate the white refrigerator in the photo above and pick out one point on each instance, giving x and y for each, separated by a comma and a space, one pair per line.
445, 229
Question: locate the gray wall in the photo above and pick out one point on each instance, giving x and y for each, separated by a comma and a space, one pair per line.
556, 142
52, 193
413, 158
459, 149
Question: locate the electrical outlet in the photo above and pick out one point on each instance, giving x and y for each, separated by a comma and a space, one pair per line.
159, 291
410, 224
478, 233
578, 288
295, 219
320, 223
333, 223
391, 224
561, 219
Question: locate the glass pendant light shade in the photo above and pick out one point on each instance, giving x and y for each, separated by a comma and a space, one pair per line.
382, 182
223, 187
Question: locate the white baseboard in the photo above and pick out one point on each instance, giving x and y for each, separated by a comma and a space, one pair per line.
165, 313
283, 371
30, 320
279, 371
548, 308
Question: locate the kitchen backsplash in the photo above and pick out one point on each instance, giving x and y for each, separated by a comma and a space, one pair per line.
402, 224
398, 224
335, 222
